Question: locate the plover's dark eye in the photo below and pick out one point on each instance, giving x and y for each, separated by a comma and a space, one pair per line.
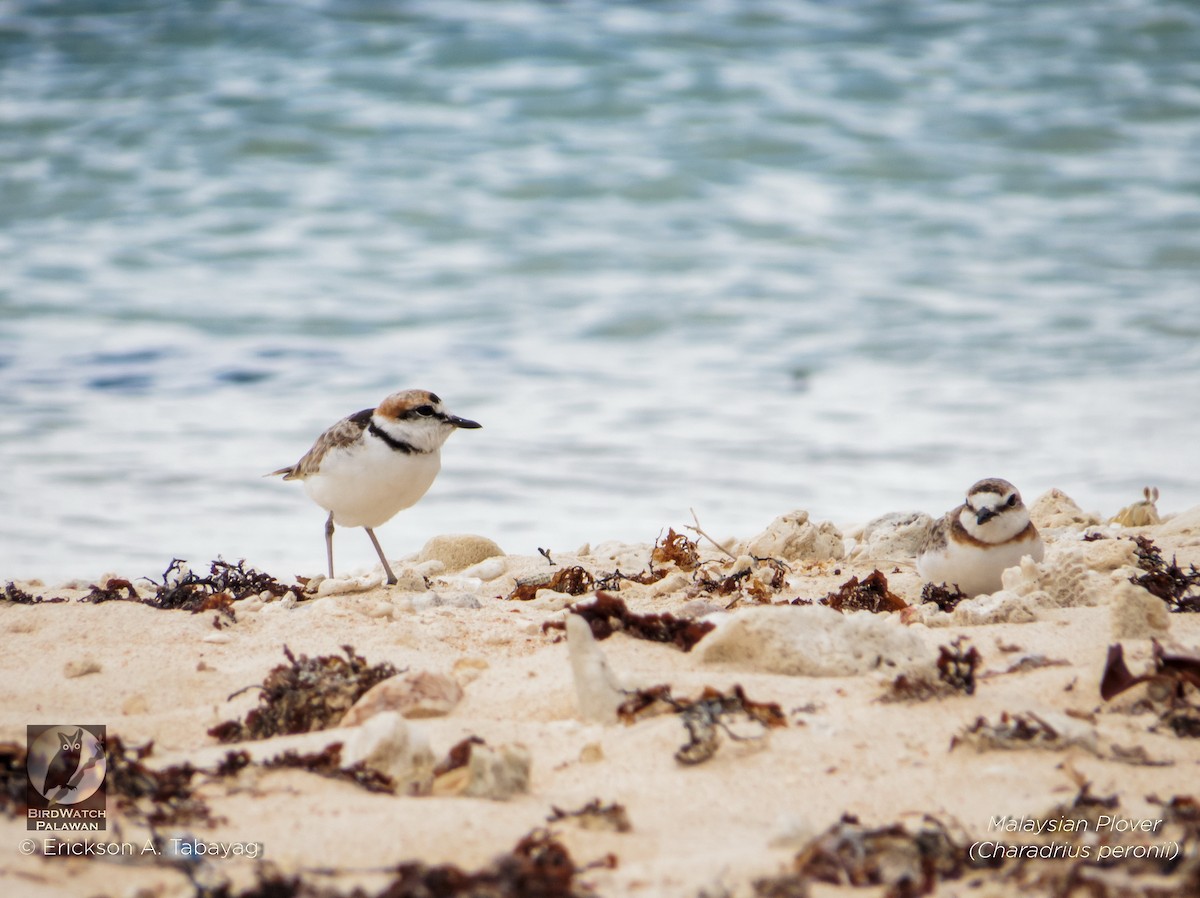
425, 411
1012, 500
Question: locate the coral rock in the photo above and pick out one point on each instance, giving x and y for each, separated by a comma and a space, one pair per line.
1136, 614
793, 537
596, 688
459, 550
813, 641
1028, 587
389, 744
1001, 607
417, 694
495, 773
1054, 508
893, 536
341, 586
1102, 555
488, 569
1186, 522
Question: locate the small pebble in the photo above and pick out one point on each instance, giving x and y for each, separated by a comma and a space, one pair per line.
489, 569
592, 753
461, 600
468, 668
80, 668
425, 601
430, 568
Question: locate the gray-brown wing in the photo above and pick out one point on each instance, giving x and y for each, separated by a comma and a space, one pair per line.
939, 533
344, 432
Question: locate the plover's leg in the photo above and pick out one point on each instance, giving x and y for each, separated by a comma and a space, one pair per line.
329, 543
379, 549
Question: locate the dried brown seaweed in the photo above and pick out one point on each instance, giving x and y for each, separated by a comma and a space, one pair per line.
1178, 588
458, 756
1174, 671
677, 549
595, 816
184, 590
945, 598
914, 688
306, 694
233, 763
539, 866
1026, 730
674, 548
906, 863
1183, 724
703, 717
745, 582
956, 667
611, 582
608, 614
574, 581
115, 589
328, 763
13, 779
162, 797
783, 885
1184, 809
871, 594
16, 595
1030, 662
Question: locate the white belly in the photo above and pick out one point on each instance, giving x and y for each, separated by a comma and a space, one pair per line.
974, 569
366, 486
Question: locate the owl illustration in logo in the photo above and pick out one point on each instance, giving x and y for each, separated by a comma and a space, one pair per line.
66, 764
63, 765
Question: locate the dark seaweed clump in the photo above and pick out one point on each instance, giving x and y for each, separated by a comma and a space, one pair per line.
956, 666
946, 598
608, 614
1180, 589
327, 763
160, 797
870, 594
183, 589
704, 717
304, 695
16, 595
13, 779
539, 866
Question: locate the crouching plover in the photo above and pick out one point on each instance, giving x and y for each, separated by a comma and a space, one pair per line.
972, 545
369, 466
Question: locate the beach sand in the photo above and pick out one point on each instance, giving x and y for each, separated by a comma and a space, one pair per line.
712, 828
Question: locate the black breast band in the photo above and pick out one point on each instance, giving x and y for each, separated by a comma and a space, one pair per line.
398, 445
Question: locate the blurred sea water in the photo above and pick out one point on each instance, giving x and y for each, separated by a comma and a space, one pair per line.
741, 257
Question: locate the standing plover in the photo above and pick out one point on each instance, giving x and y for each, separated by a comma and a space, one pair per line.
370, 465
972, 545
